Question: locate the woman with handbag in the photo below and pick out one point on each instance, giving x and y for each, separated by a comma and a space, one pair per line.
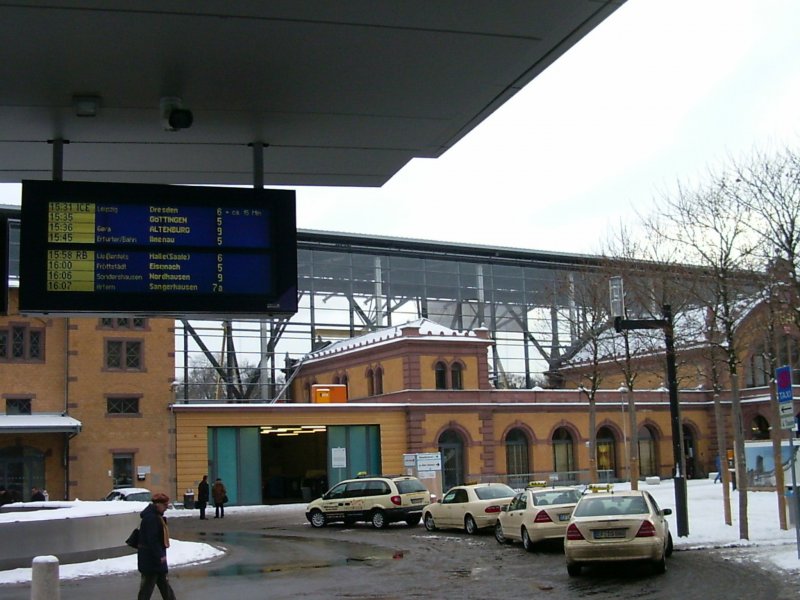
152, 550
220, 496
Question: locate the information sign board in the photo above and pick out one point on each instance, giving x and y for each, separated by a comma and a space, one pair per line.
155, 249
783, 384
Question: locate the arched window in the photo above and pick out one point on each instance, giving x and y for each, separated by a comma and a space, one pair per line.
441, 375
378, 381
456, 379
370, 382
451, 445
563, 454
307, 391
606, 454
648, 457
517, 458
344, 381
336, 380
759, 428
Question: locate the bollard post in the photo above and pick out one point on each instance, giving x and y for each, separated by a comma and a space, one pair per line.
44, 578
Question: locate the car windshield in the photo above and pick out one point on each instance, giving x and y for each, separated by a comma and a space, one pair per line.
556, 497
407, 486
139, 497
611, 505
494, 491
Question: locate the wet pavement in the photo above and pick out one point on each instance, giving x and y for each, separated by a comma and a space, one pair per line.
278, 555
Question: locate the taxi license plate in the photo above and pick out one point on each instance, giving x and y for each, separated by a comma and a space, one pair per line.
564, 517
608, 534
417, 500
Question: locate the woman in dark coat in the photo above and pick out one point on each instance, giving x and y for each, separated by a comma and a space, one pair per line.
202, 496
152, 551
220, 495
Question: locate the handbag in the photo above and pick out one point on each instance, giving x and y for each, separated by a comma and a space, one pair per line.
224, 499
133, 539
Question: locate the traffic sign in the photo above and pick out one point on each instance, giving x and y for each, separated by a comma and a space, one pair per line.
783, 380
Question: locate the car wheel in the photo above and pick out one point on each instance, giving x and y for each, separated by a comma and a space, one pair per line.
498, 534
660, 566
470, 526
411, 521
430, 525
668, 551
573, 569
527, 543
318, 518
378, 519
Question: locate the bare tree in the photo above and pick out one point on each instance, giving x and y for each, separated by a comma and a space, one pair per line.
708, 230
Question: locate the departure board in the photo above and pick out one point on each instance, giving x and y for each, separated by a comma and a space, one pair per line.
147, 249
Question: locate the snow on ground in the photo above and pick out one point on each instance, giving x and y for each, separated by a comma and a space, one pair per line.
707, 529
768, 544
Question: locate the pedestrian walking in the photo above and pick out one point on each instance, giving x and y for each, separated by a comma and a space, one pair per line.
202, 496
152, 551
220, 496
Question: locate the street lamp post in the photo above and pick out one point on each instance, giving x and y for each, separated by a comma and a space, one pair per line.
665, 324
623, 390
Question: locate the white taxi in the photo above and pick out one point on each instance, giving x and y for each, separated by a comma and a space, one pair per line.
536, 514
618, 526
471, 507
375, 499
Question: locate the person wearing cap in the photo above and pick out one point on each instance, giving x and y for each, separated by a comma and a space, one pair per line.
152, 551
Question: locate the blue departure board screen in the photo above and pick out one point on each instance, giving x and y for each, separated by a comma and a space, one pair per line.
105, 248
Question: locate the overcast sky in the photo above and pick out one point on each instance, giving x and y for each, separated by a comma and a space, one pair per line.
662, 90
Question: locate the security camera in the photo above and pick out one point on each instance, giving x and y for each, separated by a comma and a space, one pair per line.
173, 114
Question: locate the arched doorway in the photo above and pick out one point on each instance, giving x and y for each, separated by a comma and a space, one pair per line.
563, 454
648, 452
517, 458
606, 455
21, 468
690, 452
759, 428
451, 445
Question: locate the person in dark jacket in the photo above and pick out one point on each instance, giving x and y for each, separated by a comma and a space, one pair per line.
220, 495
202, 496
37, 495
152, 551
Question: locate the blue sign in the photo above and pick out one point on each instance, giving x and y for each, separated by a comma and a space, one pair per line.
783, 379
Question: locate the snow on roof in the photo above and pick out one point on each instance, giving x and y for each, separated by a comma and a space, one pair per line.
428, 330
39, 423
691, 326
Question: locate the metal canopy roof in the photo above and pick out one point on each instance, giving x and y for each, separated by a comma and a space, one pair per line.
39, 423
342, 93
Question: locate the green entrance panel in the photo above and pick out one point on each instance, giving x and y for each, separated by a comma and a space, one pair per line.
234, 455
353, 449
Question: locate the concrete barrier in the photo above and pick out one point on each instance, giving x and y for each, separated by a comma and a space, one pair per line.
76, 539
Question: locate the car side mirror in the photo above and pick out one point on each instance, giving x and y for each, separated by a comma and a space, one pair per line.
438, 501
504, 508
666, 511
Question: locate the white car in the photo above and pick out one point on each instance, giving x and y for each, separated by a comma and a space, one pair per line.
132, 494
535, 515
468, 507
620, 526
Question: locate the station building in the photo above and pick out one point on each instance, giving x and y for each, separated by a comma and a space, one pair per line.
428, 340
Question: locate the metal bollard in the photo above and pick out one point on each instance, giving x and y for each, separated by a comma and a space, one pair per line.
44, 578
